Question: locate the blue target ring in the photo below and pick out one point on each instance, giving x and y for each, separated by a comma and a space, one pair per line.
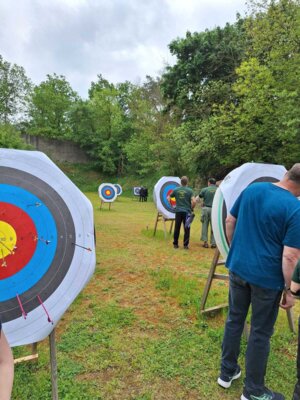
44, 254
165, 190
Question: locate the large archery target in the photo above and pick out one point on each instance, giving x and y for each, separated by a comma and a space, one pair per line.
119, 189
46, 227
107, 192
231, 187
161, 191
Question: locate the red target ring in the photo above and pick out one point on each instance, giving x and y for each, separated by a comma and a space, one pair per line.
15, 257
172, 201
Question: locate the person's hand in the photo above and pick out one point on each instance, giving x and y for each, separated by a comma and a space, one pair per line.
287, 300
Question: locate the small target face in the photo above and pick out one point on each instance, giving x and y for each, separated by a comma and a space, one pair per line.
118, 188
107, 192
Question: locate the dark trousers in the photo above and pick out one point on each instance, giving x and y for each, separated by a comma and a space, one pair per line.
180, 218
265, 305
296, 395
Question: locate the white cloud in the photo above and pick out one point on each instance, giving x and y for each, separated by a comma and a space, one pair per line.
120, 39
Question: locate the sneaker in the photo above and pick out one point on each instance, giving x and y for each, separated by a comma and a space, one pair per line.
176, 246
267, 395
225, 381
186, 247
205, 245
213, 246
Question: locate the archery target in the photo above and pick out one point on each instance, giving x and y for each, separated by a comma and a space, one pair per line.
161, 191
229, 190
136, 190
119, 189
107, 192
47, 250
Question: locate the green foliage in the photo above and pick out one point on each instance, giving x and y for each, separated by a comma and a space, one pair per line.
202, 59
10, 137
15, 88
50, 104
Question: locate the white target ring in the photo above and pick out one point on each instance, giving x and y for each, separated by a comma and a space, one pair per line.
161, 191
107, 192
229, 190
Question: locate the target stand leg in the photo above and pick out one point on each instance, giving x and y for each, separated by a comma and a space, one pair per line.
156, 222
53, 363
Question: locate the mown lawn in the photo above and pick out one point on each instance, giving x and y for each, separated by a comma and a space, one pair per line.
135, 331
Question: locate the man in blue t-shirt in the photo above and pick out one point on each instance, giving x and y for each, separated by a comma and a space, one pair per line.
263, 228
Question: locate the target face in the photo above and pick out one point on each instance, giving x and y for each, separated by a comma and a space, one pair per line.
47, 251
231, 187
107, 192
118, 188
136, 190
162, 190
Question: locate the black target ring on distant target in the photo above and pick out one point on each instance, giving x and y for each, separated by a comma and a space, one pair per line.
66, 235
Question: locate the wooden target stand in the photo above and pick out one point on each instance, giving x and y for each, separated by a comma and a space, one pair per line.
104, 202
213, 275
160, 217
53, 363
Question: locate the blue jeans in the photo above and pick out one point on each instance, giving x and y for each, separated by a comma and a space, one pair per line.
265, 305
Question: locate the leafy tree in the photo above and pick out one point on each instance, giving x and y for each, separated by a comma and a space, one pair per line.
10, 137
52, 101
204, 70
149, 149
15, 88
98, 125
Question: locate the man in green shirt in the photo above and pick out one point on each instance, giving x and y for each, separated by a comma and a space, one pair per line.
185, 203
207, 194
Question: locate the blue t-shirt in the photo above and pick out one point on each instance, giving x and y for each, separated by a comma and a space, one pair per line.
267, 218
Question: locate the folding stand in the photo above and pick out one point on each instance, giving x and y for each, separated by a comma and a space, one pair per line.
213, 275
109, 202
160, 217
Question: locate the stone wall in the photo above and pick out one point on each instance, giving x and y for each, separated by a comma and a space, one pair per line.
57, 150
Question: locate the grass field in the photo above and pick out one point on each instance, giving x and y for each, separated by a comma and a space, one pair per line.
135, 331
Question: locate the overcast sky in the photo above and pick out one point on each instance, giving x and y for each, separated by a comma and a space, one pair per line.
120, 39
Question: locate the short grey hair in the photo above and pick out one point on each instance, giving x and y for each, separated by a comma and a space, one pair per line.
294, 173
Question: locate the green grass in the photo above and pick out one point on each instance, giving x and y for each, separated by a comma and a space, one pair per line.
135, 332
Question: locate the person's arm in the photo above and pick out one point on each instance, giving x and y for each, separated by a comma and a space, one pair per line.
230, 226
290, 258
6, 368
193, 202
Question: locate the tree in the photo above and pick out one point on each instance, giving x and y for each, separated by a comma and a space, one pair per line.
10, 137
204, 70
15, 88
52, 101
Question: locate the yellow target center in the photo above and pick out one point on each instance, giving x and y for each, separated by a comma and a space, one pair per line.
8, 239
107, 192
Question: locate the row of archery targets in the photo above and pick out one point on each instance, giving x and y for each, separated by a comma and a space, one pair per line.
47, 238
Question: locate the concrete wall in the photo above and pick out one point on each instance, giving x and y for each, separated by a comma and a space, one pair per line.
57, 150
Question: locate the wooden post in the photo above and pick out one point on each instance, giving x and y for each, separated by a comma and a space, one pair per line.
53, 363
213, 275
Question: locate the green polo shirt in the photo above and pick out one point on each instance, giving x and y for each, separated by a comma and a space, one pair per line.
207, 194
183, 196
